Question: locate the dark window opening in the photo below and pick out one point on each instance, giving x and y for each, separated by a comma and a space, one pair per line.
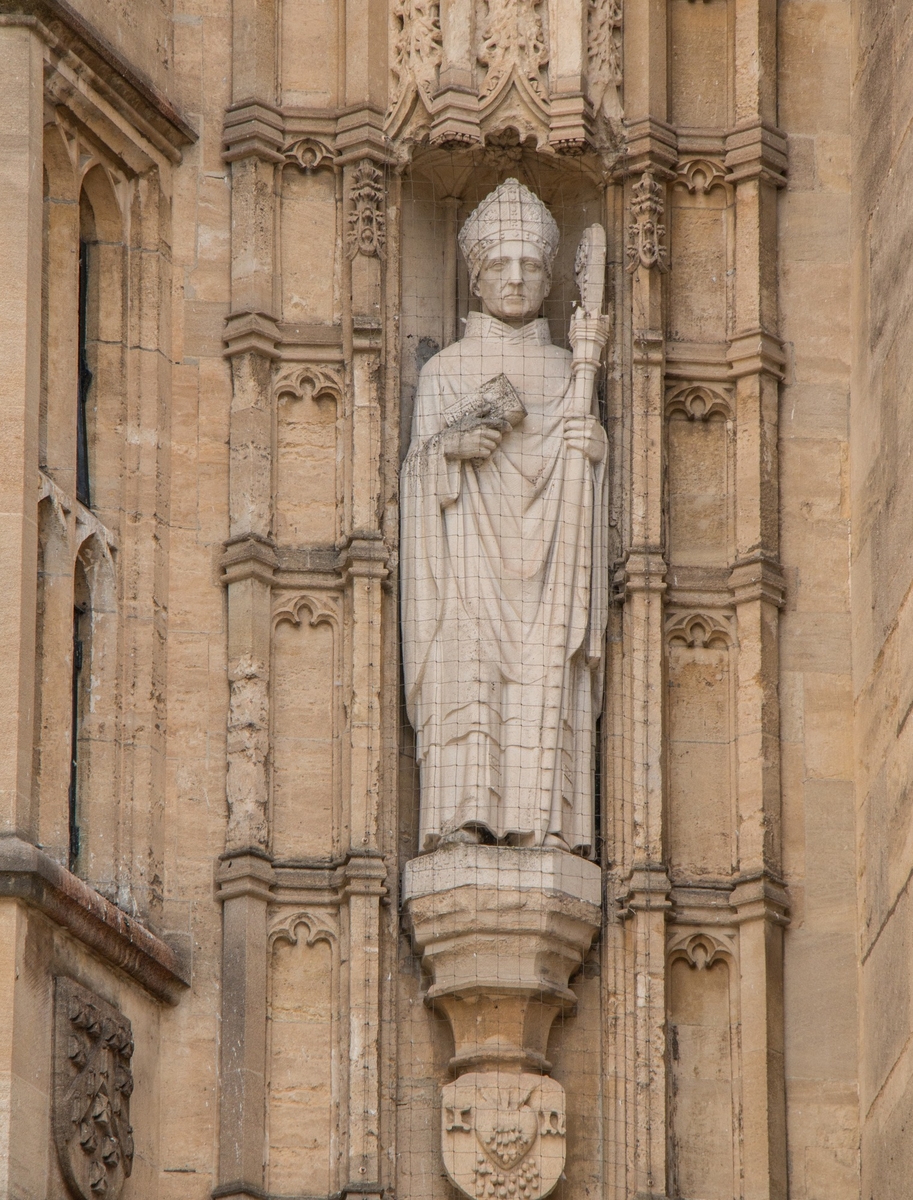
83, 488
80, 616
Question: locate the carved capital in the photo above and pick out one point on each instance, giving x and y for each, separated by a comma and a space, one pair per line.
365, 555
647, 889
758, 578
760, 897
756, 352
253, 129
644, 571
251, 333
757, 151
249, 557
245, 872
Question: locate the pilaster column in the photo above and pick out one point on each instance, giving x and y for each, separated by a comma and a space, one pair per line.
243, 883
253, 138
21, 134
756, 160
362, 884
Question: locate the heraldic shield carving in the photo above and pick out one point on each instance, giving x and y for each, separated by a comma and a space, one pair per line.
503, 1135
92, 1086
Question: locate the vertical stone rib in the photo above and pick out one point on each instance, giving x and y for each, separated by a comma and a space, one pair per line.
756, 158
21, 96
245, 875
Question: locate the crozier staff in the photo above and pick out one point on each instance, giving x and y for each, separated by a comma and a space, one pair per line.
501, 507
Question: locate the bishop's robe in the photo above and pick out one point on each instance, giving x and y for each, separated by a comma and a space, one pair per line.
503, 601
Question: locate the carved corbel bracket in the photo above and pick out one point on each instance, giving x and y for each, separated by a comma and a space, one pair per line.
501, 931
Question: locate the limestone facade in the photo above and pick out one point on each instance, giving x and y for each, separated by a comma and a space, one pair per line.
227, 967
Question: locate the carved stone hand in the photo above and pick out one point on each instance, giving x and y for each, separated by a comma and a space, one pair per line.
586, 435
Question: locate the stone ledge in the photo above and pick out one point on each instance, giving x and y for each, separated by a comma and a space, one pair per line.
30, 875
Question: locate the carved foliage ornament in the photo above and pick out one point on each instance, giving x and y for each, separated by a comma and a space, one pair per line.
367, 222
513, 39
645, 232
603, 52
417, 50
503, 1135
92, 1086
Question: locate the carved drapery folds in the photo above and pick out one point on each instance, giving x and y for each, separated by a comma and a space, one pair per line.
93, 1081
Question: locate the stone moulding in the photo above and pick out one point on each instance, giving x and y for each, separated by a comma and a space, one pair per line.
30, 875
131, 95
501, 931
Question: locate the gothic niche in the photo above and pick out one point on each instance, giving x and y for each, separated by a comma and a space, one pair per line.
503, 545
93, 1080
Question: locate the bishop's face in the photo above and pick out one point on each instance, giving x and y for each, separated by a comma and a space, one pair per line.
513, 281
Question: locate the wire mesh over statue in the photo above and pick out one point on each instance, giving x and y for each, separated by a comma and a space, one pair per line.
504, 581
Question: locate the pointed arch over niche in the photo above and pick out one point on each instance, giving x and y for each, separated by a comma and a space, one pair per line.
100, 418
93, 826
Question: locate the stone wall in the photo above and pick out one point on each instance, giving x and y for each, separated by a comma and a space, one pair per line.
881, 577
271, 193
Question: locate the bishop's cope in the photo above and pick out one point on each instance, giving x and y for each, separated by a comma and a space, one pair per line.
504, 580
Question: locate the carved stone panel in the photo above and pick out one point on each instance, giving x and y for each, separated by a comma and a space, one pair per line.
93, 1046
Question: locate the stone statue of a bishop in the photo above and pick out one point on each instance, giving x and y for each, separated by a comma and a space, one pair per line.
504, 583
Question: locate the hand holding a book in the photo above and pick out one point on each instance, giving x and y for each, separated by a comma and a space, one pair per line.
477, 441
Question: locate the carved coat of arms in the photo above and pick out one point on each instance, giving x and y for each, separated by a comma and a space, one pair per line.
93, 1046
503, 1135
